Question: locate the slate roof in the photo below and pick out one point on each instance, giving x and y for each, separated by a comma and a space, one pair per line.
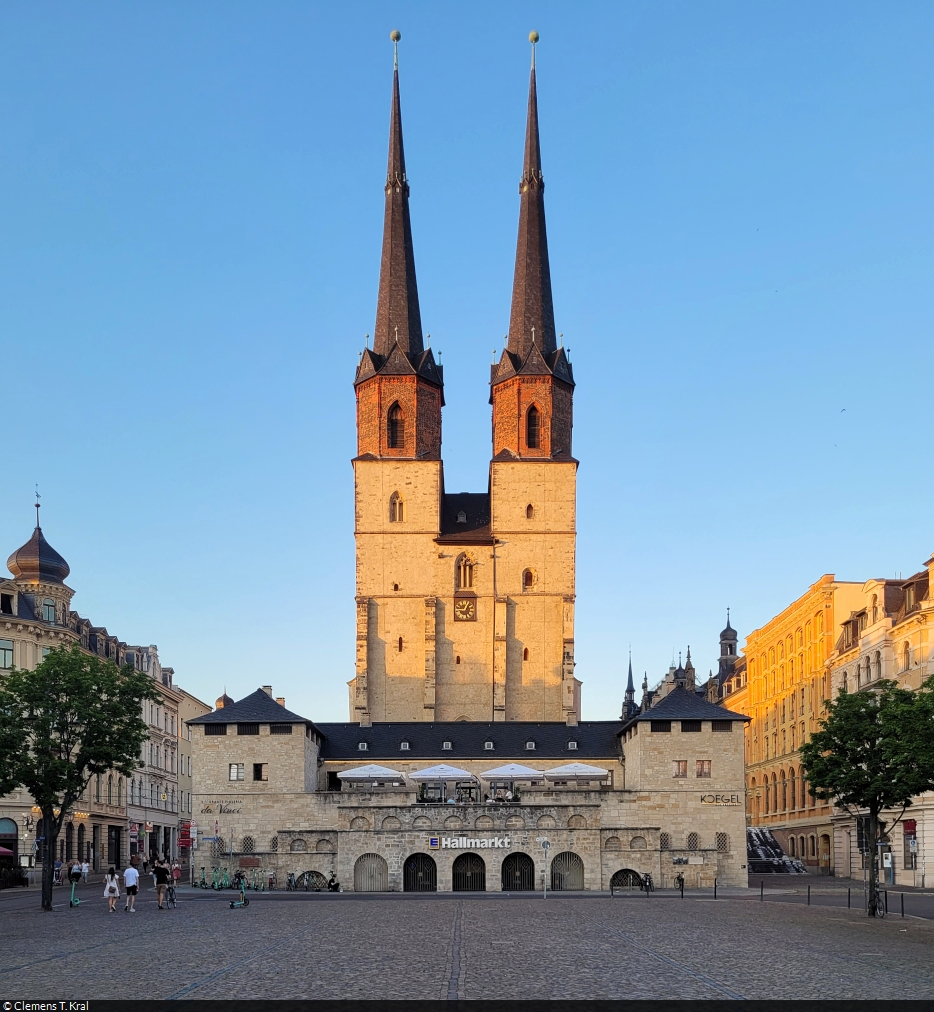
257, 708
596, 739
476, 531
680, 704
37, 561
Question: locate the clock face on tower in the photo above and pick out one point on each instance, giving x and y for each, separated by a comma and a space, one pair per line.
465, 609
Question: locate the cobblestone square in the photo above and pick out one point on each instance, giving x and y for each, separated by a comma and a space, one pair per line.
434, 946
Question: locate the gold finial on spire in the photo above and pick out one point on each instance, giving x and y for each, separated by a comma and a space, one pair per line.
395, 35
533, 38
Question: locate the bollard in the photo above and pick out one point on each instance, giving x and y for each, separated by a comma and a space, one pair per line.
714, 888
886, 892
809, 894
848, 899
682, 888
903, 904
761, 891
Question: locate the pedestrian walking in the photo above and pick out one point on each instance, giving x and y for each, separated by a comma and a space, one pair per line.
176, 874
85, 868
161, 875
111, 890
131, 882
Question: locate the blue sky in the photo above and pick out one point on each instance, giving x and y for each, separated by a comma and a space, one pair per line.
740, 221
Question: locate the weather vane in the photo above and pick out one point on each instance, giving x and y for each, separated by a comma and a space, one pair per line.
38, 497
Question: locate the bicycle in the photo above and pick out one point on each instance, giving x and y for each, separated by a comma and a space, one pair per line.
647, 883
878, 905
170, 895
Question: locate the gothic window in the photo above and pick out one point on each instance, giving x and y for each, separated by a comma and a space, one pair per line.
400, 644
464, 572
533, 424
396, 509
395, 427
525, 654
528, 579
530, 512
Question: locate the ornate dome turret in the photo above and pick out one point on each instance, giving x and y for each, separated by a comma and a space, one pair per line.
37, 561
223, 701
729, 633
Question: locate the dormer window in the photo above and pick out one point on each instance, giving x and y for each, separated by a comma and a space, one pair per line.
404, 746
446, 745
48, 611
530, 746
462, 517
6, 604
362, 746
572, 746
488, 745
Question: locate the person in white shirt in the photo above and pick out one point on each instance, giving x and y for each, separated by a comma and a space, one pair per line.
131, 881
84, 871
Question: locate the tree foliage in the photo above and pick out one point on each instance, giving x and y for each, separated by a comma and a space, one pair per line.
73, 717
874, 753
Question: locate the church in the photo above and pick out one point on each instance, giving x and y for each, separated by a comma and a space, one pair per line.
464, 600
465, 765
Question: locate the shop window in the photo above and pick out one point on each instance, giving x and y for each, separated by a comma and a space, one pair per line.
661, 727
693, 841
679, 767
723, 843
235, 771
703, 768
261, 771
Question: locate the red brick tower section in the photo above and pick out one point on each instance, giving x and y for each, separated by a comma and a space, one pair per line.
532, 385
398, 384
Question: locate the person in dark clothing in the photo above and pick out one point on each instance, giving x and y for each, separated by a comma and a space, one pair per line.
161, 874
333, 885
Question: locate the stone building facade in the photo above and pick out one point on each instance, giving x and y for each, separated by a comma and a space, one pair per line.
886, 635
464, 601
786, 683
661, 793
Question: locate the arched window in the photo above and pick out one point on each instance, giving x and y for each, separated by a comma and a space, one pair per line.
396, 509
110, 790
791, 784
97, 788
120, 792
791, 846
400, 644
533, 425
464, 572
906, 657
875, 608
528, 580
395, 427
530, 512
846, 682
877, 666
457, 659
525, 654
784, 793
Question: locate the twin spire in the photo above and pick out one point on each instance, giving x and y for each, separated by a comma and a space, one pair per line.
398, 320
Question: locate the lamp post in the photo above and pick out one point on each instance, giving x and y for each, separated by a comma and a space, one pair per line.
28, 822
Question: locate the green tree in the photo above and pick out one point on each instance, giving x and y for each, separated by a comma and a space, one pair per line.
874, 752
73, 717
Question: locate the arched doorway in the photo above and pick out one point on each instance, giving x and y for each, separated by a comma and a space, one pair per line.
370, 874
420, 874
312, 881
9, 838
626, 878
824, 854
567, 872
469, 874
518, 873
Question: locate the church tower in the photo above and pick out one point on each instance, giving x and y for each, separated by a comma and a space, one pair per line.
398, 481
465, 600
533, 476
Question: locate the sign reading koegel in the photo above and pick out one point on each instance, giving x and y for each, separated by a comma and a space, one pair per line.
468, 842
720, 799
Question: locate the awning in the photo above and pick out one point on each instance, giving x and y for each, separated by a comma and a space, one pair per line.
4, 852
442, 772
371, 772
513, 771
577, 771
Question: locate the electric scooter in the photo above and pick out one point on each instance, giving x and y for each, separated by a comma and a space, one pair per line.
240, 880
204, 882
75, 879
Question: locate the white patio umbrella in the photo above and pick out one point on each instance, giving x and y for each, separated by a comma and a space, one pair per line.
371, 772
441, 772
513, 771
576, 771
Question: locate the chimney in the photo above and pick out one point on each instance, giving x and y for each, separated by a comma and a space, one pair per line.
365, 720
267, 689
571, 718
280, 700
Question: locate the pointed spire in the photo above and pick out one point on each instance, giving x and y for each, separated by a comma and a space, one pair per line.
397, 313
532, 306
630, 688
